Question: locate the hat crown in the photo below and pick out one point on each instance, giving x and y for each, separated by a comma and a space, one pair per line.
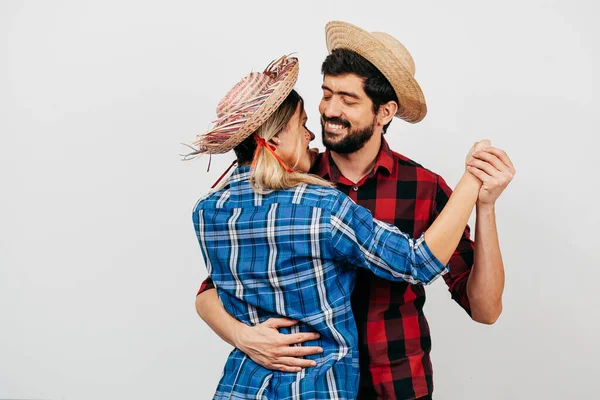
389, 56
247, 89
398, 49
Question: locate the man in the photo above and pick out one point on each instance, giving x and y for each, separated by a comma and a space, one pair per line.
369, 79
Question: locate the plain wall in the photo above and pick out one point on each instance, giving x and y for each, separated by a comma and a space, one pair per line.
99, 263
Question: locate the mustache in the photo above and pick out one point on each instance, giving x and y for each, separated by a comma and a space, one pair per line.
336, 121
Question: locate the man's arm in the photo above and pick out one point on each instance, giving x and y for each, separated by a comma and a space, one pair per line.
262, 343
486, 280
476, 276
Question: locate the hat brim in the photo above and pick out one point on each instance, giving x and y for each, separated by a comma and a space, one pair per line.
342, 35
258, 117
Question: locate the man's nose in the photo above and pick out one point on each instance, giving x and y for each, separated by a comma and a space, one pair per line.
332, 108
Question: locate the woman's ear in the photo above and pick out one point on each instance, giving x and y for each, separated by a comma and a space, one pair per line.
386, 112
275, 141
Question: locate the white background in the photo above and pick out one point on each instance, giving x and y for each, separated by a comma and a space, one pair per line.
99, 264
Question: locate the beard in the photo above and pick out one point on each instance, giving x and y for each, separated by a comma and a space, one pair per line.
354, 140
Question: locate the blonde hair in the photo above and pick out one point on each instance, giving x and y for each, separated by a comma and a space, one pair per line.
268, 174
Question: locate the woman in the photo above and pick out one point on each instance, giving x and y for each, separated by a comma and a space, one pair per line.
279, 242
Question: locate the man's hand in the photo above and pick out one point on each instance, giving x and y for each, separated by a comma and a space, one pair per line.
494, 168
273, 350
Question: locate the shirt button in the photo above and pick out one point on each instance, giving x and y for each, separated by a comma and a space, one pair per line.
355, 188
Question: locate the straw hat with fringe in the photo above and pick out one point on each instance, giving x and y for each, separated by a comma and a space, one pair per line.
247, 106
390, 57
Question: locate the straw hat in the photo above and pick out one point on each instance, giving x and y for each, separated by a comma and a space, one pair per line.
248, 105
390, 57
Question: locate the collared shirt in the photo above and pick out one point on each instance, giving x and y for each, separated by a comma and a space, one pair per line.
295, 253
394, 336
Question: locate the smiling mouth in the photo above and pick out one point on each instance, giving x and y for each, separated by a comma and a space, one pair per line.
334, 128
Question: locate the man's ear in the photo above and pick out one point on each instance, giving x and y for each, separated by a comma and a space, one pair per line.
386, 112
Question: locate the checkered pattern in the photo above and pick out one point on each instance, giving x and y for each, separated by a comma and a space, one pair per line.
295, 253
394, 335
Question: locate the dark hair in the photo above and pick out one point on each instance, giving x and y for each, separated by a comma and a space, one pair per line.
375, 85
245, 150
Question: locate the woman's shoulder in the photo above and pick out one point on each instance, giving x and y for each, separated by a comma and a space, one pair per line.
317, 195
210, 199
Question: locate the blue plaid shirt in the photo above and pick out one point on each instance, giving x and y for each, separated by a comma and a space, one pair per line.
294, 253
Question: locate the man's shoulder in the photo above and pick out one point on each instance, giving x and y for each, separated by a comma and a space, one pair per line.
421, 172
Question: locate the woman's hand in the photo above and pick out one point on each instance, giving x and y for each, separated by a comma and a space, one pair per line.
477, 146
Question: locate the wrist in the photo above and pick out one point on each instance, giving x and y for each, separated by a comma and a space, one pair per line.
470, 179
485, 207
240, 331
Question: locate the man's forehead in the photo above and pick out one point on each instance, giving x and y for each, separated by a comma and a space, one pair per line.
345, 82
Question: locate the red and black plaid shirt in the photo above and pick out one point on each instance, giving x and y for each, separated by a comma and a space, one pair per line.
393, 332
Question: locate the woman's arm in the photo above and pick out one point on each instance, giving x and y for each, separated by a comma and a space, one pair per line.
390, 254
443, 235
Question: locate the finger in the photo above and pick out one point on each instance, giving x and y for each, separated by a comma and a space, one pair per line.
280, 322
492, 159
479, 174
484, 166
301, 351
501, 154
482, 144
472, 149
296, 362
301, 337
285, 368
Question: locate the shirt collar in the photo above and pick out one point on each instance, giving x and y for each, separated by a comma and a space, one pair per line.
239, 174
327, 169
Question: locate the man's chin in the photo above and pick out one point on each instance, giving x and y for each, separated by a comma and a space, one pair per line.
335, 134
331, 139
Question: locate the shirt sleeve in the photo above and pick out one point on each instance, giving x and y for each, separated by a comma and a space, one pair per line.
365, 242
206, 285
461, 261
208, 282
